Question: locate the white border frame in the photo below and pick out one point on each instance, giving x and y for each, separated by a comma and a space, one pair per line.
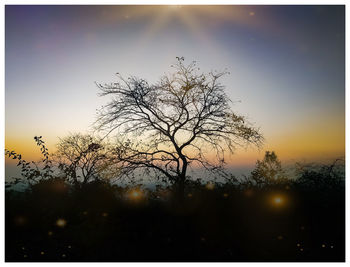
157, 2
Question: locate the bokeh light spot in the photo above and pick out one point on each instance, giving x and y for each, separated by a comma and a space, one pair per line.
278, 200
135, 194
61, 222
248, 192
20, 220
210, 186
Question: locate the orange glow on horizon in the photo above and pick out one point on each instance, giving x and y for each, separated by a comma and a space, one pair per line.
289, 149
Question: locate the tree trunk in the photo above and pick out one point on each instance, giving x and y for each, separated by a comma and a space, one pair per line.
180, 192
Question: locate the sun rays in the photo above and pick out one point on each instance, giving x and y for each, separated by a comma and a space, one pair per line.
192, 19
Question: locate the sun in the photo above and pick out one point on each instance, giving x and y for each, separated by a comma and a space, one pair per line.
164, 16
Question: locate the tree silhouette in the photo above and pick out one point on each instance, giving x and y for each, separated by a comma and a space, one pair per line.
83, 158
323, 178
267, 172
181, 120
31, 171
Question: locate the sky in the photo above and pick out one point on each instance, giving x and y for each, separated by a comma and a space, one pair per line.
286, 64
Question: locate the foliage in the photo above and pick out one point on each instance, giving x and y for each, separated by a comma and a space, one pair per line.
79, 159
321, 178
32, 172
223, 222
267, 172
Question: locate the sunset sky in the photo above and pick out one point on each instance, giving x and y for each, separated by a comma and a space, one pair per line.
286, 63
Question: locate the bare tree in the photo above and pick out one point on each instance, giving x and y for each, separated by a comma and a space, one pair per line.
82, 158
183, 119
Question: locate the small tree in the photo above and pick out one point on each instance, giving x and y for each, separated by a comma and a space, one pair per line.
173, 124
267, 172
83, 158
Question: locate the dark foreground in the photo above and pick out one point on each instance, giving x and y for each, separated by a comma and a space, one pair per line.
99, 222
